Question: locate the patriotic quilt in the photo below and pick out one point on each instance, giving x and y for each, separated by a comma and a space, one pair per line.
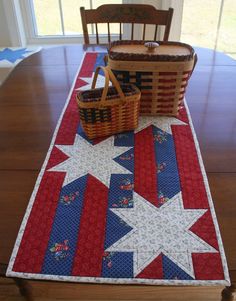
130, 208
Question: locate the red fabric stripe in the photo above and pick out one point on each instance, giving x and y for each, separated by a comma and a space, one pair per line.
80, 83
208, 266
183, 115
34, 243
56, 157
154, 270
70, 120
91, 237
191, 180
205, 229
145, 175
69, 124
88, 65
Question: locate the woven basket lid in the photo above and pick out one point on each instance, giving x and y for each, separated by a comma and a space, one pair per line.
150, 51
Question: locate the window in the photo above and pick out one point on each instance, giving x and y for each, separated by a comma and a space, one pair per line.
210, 24
58, 21
61, 18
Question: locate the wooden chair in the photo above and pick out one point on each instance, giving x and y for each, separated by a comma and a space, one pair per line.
126, 13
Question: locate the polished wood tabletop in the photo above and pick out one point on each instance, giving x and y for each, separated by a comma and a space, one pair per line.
31, 101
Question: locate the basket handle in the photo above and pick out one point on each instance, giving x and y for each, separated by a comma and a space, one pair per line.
194, 64
109, 76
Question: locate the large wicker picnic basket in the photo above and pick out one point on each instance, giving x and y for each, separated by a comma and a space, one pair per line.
108, 110
160, 70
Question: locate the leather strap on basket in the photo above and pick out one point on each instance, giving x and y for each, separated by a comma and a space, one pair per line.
109, 76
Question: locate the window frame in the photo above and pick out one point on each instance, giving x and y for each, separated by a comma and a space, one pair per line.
32, 37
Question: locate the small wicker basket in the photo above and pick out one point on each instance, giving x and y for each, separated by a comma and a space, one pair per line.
109, 110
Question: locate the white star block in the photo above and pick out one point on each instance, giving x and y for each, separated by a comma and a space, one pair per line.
100, 82
96, 160
162, 122
160, 230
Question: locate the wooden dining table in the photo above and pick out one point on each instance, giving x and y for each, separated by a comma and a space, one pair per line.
31, 101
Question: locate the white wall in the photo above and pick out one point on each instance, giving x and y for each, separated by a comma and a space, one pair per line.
177, 5
11, 24
4, 31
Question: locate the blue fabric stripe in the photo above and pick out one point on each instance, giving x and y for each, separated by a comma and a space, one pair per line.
99, 62
126, 160
168, 182
173, 271
63, 239
116, 228
118, 265
124, 139
121, 187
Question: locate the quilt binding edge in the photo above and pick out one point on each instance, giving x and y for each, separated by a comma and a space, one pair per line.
11, 273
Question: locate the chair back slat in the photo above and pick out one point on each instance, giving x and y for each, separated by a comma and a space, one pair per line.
97, 37
126, 13
168, 24
84, 25
108, 30
155, 34
144, 31
132, 32
120, 31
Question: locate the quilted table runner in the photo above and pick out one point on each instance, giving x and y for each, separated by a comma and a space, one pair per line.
131, 208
